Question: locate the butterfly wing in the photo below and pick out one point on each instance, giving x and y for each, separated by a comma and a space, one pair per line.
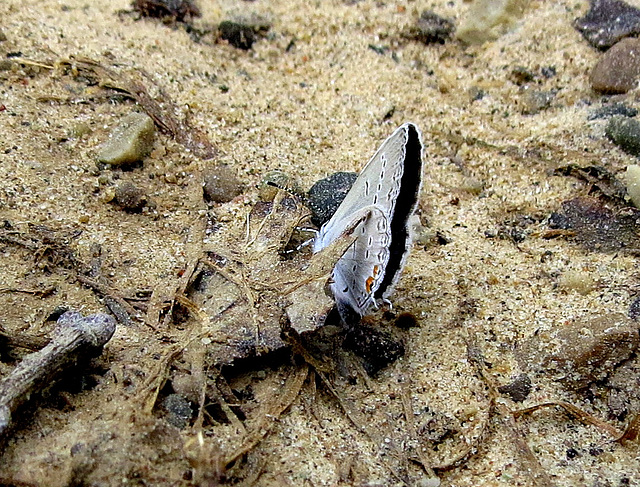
387, 188
377, 184
361, 268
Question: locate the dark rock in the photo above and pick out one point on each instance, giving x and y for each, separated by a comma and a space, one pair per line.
3, 36
178, 411
548, 71
612, 109
325, 196
618, 70
243, 32
584, 351
129, 197
431, 28
598, 227
378, 49
608, 21
178, 10
625, 133
221, 185
518, 389
376, 348
572, 453
634, 309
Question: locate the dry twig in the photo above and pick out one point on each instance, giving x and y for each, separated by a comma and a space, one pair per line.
73, 338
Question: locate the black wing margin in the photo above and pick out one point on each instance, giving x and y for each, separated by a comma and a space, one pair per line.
404, 207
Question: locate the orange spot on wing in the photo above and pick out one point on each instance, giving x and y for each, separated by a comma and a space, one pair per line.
371, 279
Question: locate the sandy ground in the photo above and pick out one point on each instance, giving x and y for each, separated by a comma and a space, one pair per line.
315, 108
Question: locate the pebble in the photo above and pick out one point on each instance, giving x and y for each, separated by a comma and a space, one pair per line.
579, 281
131, 141
518, 389
618, 70
584, 351
625, 133
548, 71
608, 21
634, 309
178, 410
475, 93
431, 28
612, 109
79, 129
325, 195
534, 101
243, 32
221, 185
129, 197
274, 180
489, 19
632, 178
471, 185
3, 36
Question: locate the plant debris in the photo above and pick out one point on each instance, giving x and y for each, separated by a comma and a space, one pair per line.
74, 338
584, 351
597, 177
161, 109
597, 226
177, 10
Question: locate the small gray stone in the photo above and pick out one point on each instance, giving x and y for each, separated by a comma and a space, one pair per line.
612, 109
3, 36
625, 133
131, 141
634, 309
518, 389
221, 185
178, 410
618, 70
476, 93
129, 197
533, 101
326, 195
